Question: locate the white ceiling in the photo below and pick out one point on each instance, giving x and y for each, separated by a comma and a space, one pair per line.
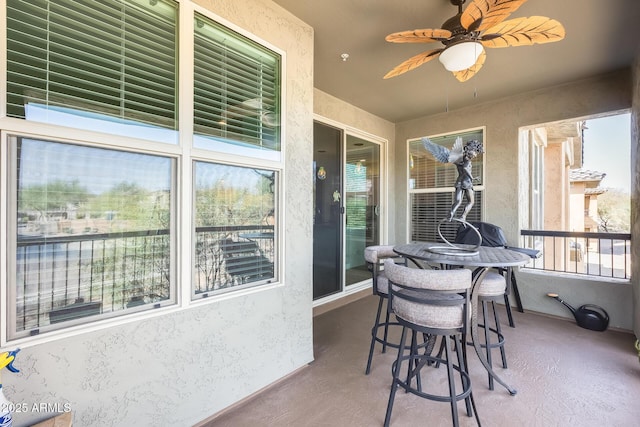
601, 36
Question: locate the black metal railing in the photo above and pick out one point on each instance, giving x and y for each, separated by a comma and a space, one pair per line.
591, 254
67, 277
232, 256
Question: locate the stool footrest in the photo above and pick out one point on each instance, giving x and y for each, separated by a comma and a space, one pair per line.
428, 360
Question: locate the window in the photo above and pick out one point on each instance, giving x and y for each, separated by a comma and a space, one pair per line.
236, 93
105, 66
579, 195
536, 150
92, 233
92, 210
235, 217
431, 187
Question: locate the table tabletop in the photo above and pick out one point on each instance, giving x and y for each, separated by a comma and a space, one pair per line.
487, 256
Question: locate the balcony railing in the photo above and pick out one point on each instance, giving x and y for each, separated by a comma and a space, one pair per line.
233, 255
590, 254
67, 277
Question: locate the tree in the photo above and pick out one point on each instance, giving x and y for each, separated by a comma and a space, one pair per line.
614, 211
133, 205
51, 197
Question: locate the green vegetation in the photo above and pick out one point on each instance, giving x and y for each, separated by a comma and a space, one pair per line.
614, 211
132, 206
225, 204
54, 196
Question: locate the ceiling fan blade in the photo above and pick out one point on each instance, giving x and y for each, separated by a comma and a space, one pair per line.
465, 75
419, 36
413, 62
483, 14
523, 32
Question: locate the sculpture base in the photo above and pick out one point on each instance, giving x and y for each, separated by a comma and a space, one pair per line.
452, 248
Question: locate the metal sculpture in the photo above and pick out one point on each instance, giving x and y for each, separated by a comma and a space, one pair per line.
461, 155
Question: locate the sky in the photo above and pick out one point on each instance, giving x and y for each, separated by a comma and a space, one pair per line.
99, 169
607, 148
96, 169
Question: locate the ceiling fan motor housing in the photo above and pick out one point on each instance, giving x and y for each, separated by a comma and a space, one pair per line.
459, 33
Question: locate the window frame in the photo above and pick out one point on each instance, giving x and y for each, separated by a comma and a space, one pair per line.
13, 334
448, 231
183, 153
276, 242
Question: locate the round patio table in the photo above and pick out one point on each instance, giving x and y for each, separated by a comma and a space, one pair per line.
487, 257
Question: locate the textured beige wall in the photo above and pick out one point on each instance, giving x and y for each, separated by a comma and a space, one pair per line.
180, 368
332, 108
504, 189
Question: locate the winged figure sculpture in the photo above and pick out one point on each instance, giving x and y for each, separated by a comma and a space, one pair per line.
461, 155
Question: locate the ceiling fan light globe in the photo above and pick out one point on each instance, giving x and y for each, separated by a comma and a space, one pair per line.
461, 56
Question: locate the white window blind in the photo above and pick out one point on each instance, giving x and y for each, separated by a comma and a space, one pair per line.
431, 188
236, 88
104, 60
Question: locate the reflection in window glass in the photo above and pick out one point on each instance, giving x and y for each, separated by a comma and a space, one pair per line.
92, 233
235, 216
236, 93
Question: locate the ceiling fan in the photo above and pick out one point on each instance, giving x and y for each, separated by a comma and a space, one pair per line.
465, 35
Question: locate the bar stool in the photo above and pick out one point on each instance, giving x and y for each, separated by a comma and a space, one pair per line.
433, 302
375, 256
492, 289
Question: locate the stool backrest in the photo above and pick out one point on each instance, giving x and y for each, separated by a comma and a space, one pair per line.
456, 280
435, 300
375, 256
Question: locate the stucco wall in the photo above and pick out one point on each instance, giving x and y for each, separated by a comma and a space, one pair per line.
504, 188
182, 367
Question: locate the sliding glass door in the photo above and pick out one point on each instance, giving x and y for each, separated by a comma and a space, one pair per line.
362, 205
346, 208
327, 210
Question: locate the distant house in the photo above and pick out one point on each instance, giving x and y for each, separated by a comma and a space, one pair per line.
583, 198
569, 197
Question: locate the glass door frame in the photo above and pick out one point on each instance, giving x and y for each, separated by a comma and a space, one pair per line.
383, 200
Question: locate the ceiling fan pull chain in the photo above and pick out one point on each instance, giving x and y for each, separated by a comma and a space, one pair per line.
446, 107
